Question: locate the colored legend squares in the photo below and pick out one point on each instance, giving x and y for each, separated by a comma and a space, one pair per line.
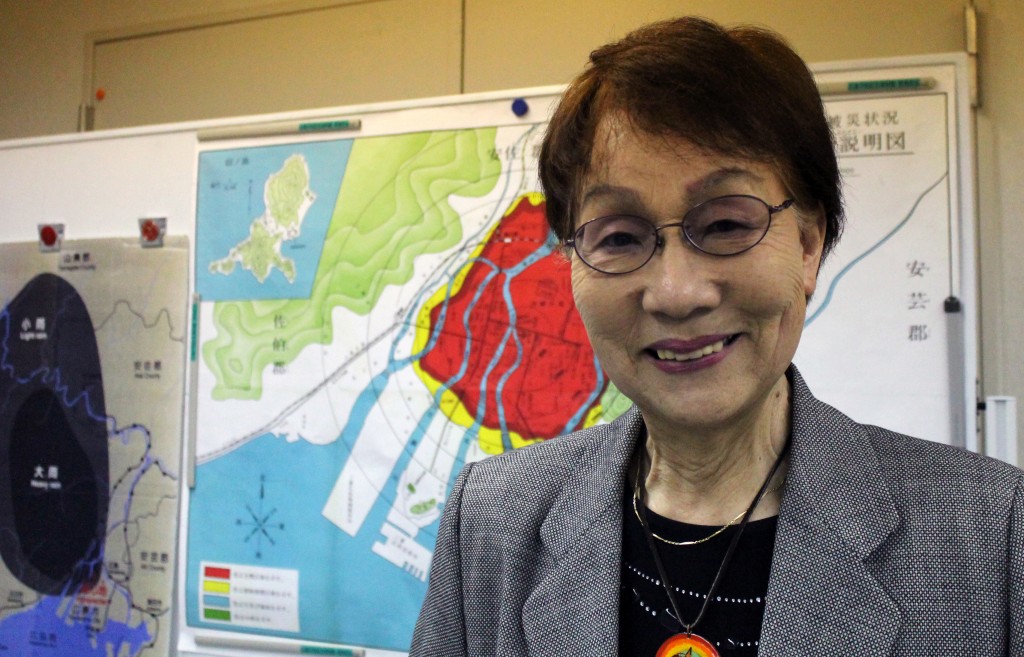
250, 596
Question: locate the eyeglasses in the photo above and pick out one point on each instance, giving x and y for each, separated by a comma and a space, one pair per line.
723, 226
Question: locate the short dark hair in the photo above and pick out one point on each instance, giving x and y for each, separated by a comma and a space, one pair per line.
740, 91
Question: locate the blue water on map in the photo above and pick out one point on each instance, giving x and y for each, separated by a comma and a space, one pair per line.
347, 594
44, 630
230, 197
333, 566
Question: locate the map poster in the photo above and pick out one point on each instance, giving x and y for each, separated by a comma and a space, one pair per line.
92, 357
375, 313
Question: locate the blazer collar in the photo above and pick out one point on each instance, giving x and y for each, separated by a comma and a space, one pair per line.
595, 485
833, 469
836, 510
574, 607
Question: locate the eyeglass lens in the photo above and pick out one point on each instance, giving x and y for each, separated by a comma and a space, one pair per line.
723, 226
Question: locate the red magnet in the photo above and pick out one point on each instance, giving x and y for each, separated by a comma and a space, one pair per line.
50, 236
151, 231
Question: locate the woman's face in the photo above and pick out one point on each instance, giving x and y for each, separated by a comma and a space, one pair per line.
651, 328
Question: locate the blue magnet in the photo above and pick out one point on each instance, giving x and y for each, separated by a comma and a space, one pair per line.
520, 107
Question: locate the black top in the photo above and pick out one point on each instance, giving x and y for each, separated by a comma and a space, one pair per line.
732, 622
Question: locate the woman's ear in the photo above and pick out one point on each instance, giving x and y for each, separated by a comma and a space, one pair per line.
812, 238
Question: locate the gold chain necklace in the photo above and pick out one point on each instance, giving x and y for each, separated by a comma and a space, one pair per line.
636, 512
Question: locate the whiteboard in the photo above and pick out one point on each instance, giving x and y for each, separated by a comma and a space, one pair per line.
879, 343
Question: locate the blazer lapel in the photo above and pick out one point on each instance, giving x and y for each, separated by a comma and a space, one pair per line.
822, 598
574, 608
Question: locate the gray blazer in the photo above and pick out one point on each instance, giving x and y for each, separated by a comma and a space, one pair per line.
886, 545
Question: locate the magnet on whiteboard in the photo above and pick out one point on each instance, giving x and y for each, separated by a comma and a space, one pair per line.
520, 107
151, 231
50, 237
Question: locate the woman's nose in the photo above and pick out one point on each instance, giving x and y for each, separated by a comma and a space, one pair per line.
679, 279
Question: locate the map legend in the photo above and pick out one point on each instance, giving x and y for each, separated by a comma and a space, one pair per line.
250, 596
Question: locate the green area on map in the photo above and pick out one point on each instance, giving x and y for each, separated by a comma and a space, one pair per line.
392, 207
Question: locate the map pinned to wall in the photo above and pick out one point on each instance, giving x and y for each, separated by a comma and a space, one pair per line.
92, 346
414, 316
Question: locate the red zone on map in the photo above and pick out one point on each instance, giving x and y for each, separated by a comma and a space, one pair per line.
555, 376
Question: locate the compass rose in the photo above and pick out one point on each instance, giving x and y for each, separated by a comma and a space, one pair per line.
260, 521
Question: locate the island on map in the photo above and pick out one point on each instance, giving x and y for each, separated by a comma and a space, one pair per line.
287, 197
393, 209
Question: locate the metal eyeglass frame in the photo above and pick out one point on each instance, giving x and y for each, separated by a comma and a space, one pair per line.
659, 241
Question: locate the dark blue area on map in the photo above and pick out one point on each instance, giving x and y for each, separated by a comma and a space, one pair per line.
53, 440
46, 630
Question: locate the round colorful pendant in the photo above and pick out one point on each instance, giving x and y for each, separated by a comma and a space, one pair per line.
686, 645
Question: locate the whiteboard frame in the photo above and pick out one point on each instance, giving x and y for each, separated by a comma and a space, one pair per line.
64, 178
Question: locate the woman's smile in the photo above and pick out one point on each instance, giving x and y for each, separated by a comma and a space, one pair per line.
672, 355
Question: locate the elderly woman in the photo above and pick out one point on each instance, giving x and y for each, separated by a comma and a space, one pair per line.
690, 174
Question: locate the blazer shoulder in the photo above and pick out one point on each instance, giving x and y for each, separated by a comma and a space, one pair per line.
917, 464
906, 463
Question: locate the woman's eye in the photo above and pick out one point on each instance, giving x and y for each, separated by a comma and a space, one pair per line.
616, 234
618, 240
726, 226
